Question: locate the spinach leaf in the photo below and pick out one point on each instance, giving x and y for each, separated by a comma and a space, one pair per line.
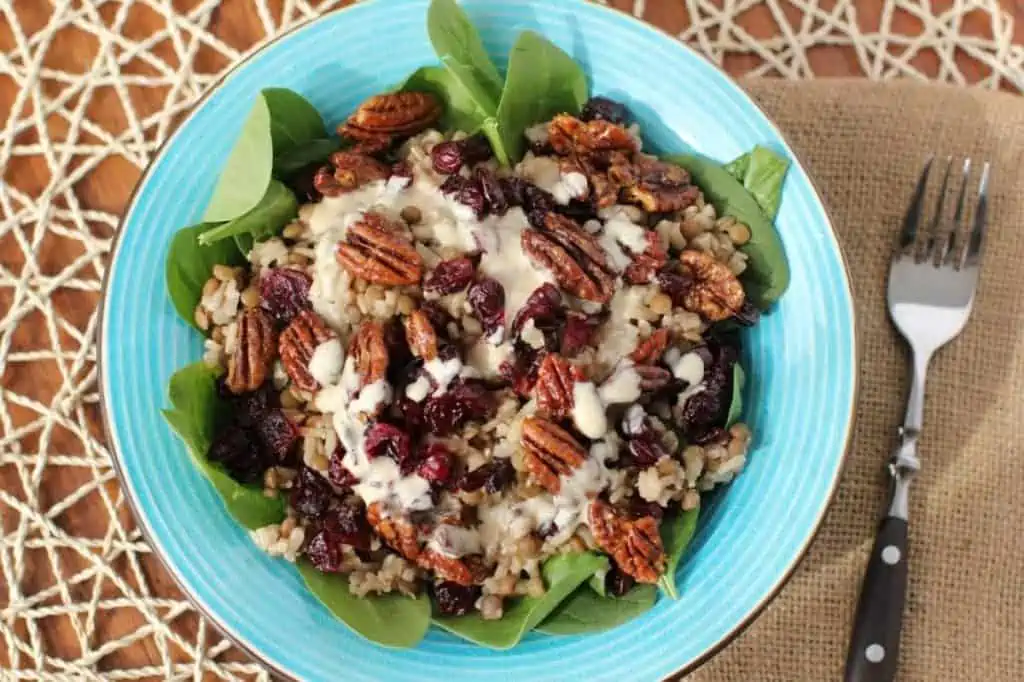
393, 620
542, 81
298, 157
276, 209
739, 379
456, 41
196, 410
676, 532
763, 173
461, 112
279, 121
767, 274
189, 265
586, 611
562, 575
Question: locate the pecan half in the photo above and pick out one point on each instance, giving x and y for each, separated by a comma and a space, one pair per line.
716, 293
568, 135
349, 170
550, 452
397, 533
397, 114
377, 250
296, 346
650, 349
659, 187
574, 257
634, 543
468, 570
555, 382
370, 352
646, 265
257, 340
420, 335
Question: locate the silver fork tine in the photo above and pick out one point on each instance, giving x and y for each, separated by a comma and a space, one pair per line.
973, 256
949, 250
933, 229
913, 218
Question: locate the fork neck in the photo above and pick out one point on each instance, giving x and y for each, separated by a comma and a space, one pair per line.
914, 419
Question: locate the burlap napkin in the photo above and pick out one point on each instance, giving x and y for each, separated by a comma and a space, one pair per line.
864, 145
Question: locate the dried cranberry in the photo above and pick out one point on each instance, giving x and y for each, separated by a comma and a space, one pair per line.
436, 466
241, 454
311, 496
453, 184
604, 109
401, 169
453, 599
715, 434
447, 157
336, 471
464, 401
450, 276
520, 371
578, 332
472, 195
492, 477
618, 583
284, 293
386, 440
251, 406
579, 210
639, 507
645, 450
476, 149
707, 410
324, 551
493, 193
411, 413
674, 285
348, 522
277, 434
438, 316
537, 199
748, 314
543, 304
514, 190
487, 298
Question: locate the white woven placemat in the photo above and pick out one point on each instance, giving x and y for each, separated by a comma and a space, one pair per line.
87, 98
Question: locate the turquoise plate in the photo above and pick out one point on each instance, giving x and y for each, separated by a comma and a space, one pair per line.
802, 359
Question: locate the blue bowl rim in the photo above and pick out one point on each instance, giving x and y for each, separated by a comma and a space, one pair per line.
153, 540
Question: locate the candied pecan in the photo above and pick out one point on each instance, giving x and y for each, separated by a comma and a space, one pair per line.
399, 534
551, 452
296, 346
398, 114
716, 293
568, 134
377, 250
634, 543
646, 265
420, 334
370, 352
373, 145
555, 382
249, 364
468, 570
576, 259
653, 378
349, 170
650, 349
660, 187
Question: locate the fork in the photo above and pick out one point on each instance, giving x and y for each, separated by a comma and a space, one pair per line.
932, 281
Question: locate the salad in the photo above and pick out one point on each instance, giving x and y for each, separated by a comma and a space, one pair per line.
473, 360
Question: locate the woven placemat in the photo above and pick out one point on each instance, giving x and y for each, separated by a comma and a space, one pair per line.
88, 92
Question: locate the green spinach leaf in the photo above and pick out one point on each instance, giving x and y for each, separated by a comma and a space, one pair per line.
456, 41
189, 265
461, 112
542, 81
585, 611
562, 575
293, 160
767, 274
762, 172
393, 620
279, 121
276, 209
739, 379
195, 412
676, 532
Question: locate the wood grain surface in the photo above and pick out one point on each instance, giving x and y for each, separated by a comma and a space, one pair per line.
108, 187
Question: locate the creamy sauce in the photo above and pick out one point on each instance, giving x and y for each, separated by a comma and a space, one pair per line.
326, 363
418, 390
620, 239
588, 410
455, 541
486, 358
622, 387
688, 367
443, 372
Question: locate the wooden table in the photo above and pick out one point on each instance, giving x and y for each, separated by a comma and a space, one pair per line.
66, 384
